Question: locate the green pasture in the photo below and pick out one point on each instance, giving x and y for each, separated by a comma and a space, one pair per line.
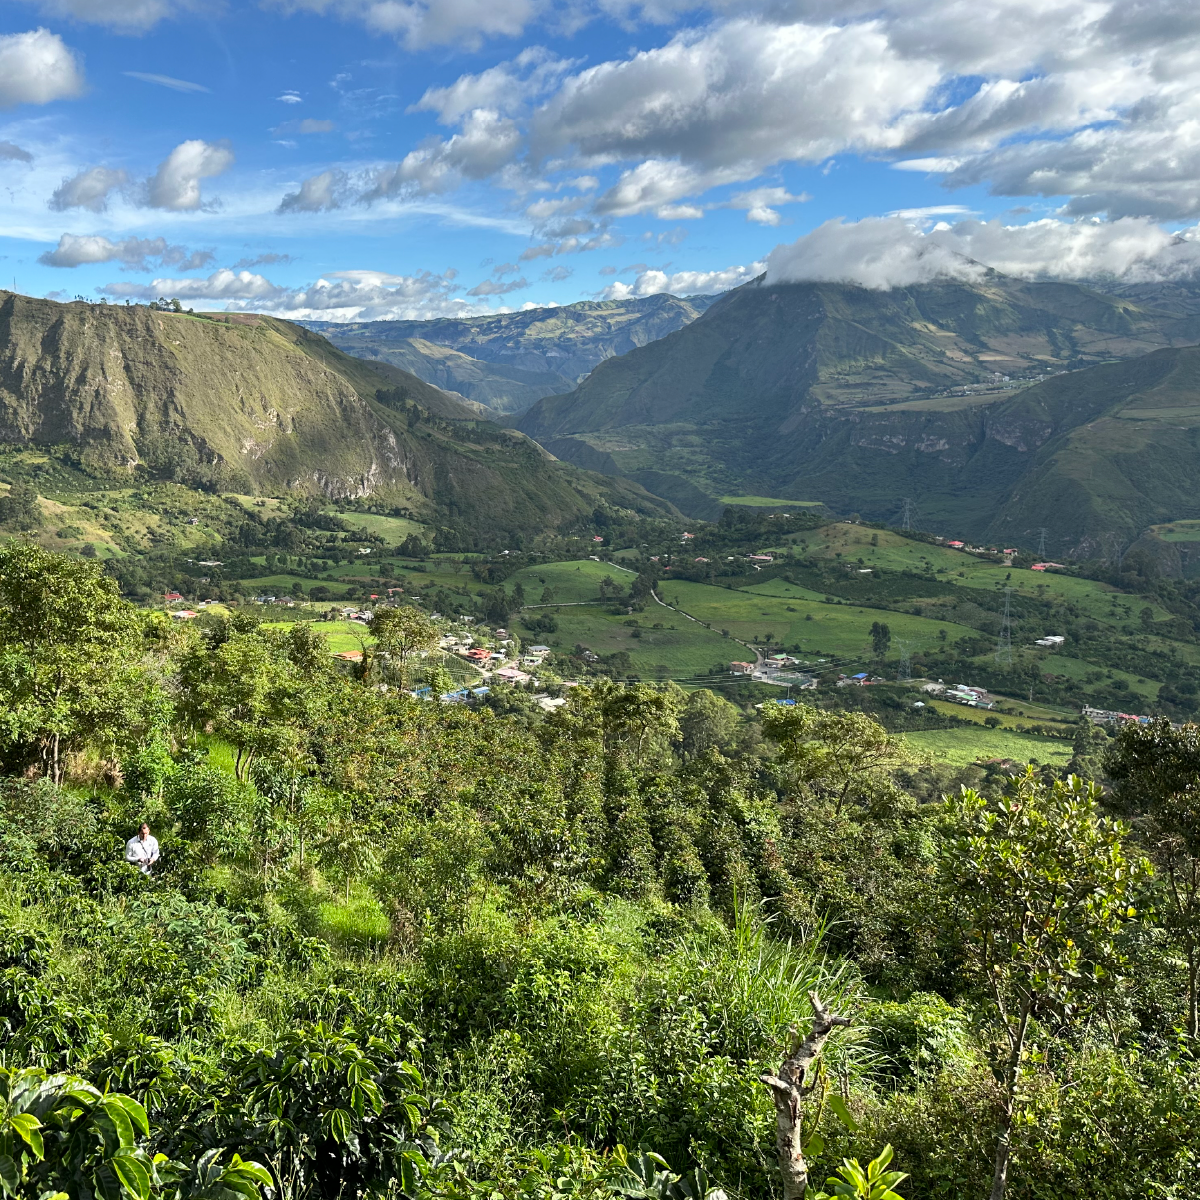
768, 502
1076, 668
834, 629
961, 746
684, 650
1008, 718
1177, 531
392, 529
571, 582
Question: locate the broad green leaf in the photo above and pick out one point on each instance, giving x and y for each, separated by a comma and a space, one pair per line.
842, 1112
10, 1176
134, 1177
814, 1146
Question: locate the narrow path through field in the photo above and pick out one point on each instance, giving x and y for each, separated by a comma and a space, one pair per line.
758, 657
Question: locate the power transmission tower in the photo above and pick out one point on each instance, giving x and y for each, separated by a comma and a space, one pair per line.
1042, 542
905, 673
1004, 640
907, 513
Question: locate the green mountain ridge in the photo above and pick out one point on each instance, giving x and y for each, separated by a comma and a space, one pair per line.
859, 398
244, 403
509, 361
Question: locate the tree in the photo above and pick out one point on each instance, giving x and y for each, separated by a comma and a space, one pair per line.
401, 634
1157, 772
68, 655
708, 722
1039, 884
881, 639
839, 753
789, 1088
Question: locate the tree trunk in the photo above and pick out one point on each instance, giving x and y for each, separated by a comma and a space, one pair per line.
1193, 1017
788, 1088
1004, 1141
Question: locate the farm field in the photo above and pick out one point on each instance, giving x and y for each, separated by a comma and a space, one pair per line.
768, 502
816, 627
961, 746
392, 529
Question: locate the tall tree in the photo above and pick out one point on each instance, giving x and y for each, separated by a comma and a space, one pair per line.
69, 652
1039, 884
401, 634
1157, 772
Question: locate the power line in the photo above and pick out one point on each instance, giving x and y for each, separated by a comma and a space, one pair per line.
908, 513
905, 673
1004, 655
1041, 541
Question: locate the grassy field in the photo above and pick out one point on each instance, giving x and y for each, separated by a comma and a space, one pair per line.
841, 630
571, 582
768, 502
392, 529
961, 746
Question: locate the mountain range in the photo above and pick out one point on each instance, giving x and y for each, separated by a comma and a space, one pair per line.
253, 404
509, 361
998, 406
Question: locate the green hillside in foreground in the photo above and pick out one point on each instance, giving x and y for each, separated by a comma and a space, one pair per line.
242, 403
859, 398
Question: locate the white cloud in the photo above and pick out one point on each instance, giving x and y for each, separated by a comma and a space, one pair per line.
167, 81
290, 98
460, 23
175, 186
220, 285
486, 143
76, 251
263, 260
889, 252
89, 189
370, 296
505, 88
762, 204
126, 16
36, 68
320, 193
682, 283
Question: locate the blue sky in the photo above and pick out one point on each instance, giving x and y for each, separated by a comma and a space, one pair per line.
379, 158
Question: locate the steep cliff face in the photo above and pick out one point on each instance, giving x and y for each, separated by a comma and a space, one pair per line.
251, 403
860, 398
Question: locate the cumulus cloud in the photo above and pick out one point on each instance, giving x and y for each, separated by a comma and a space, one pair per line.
1090, 100
889, 252
571, 245
505, 88
762, 204
133, 252
220, 285
125, 16
13, 153
319, 193
175, 186
486, 143
498, 287
370, 296
36, 68
557, 274
682, 283
460, 23
89, 189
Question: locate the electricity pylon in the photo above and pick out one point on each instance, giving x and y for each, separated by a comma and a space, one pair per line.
1004, 655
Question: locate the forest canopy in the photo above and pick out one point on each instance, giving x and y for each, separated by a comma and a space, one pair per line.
398, 947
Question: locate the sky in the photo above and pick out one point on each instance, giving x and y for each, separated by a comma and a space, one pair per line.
375, 159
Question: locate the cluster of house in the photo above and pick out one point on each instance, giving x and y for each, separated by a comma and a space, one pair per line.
774, 670
1047, 566
1009, 552
973, 697
1051, 640
1102, 716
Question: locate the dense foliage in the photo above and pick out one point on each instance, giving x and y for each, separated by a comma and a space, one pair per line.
396, 947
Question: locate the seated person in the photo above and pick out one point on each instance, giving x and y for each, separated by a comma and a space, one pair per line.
142, 851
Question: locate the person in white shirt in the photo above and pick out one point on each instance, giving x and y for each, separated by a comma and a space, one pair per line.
142, 851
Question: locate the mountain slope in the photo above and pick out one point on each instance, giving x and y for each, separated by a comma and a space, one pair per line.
510, 360
854, 397
255, 404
